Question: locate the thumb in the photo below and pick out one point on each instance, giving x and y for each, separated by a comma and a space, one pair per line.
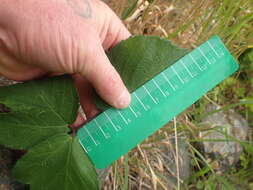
104, 78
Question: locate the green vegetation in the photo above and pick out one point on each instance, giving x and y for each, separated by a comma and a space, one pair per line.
41, 111
39, 114
189, 23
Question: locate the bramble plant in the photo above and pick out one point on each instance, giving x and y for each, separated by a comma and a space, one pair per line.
38, 120
41, 111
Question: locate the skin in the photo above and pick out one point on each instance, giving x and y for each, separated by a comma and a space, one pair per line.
54, 37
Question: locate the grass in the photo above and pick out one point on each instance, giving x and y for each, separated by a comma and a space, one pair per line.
188, 23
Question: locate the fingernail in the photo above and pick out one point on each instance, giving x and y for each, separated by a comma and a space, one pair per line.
123, 100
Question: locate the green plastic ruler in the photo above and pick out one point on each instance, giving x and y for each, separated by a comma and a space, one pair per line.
114, 132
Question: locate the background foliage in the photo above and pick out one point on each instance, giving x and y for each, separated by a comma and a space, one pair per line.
188, 23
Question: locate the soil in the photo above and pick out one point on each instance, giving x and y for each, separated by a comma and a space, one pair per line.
8, 157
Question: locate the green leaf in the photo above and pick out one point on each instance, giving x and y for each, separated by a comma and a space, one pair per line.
40, 113
39, 109
200, 184
64, 157
140, 58
246, 60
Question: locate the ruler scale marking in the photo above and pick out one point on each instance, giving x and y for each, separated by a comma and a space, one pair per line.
201, 52
130, 107
147, 91
140, 101
123, 118
168, 81
177, 74
211, 46
157, 86
194, 61
83, 146
188, 71
91, 136
110, 120
157, 113
97, 124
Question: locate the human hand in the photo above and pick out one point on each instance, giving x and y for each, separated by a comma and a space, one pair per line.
38, 38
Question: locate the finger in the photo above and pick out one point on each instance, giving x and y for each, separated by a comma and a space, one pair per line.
85, 92
105, 79
115, 33
122, 34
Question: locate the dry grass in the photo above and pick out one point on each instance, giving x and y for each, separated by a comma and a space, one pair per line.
190, 22
187, 23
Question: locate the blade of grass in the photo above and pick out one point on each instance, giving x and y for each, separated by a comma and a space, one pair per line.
233, 32
128, 11
126, 173
202, 158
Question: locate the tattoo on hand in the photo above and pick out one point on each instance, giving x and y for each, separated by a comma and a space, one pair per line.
81, 7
